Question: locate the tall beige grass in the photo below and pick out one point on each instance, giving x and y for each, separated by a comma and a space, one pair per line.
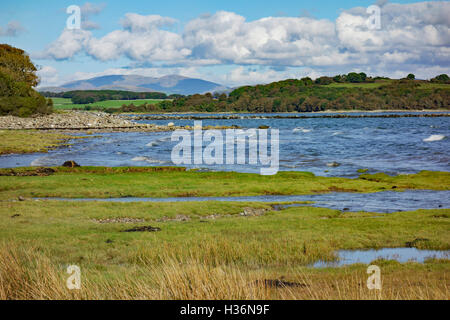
30, 274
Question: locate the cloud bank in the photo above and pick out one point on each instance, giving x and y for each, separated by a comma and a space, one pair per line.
412, 37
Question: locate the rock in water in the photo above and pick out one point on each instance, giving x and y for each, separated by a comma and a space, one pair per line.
70, 164
333, 164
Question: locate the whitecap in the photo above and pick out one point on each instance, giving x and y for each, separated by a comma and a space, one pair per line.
158, 141
301, 129
149, 160
39, 162
139, 159
336, 133
434, 137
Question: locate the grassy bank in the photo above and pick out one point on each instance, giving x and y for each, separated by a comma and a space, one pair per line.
29, 141
208, 250
199, 257
101, 182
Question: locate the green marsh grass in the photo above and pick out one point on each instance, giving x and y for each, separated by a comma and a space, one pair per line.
161, 182
213, 252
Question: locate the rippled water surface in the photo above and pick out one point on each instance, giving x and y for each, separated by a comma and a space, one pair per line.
391, 145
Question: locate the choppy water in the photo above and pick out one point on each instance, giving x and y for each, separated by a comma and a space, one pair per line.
391, 145
383, 202
347, 257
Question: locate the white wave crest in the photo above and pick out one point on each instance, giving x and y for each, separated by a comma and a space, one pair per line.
148, 160
158, 142
139, 159
434, 137
39, 162
301, 129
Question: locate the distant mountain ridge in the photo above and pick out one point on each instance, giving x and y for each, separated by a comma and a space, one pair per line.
168, 84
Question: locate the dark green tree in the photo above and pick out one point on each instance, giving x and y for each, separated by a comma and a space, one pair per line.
354, 77
17, 77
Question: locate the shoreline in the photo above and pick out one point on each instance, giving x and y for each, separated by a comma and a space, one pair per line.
311, 112
277, 116
86, 122
98, 122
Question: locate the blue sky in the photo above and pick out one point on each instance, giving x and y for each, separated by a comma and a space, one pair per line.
42, 23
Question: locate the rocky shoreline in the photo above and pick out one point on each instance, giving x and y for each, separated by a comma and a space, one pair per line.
287, 116
84, 121
76, 121
72, 120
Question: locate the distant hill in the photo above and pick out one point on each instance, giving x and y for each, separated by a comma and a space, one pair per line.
172, 84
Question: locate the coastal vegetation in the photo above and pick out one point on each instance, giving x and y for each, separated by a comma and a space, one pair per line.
348, 92
21, 141
208, 250
17, 79
162, 182
305, 95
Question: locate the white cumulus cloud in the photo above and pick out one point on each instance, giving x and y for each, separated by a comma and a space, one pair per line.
412, 37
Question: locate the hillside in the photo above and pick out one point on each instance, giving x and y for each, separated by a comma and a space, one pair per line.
305, 95
172, 84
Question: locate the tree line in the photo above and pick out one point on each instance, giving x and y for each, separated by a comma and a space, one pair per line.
306, 95
92, 96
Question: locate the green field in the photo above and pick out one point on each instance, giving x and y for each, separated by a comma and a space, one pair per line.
207, 250
66, 104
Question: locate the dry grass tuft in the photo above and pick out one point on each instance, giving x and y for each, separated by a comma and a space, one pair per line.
29, 274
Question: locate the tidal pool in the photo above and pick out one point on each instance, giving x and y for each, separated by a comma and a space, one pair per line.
347, 257
382, 202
